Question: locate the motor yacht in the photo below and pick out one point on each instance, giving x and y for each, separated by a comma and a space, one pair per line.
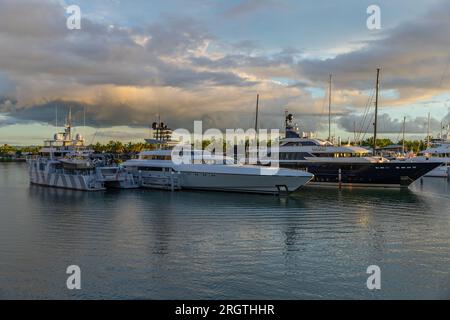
346, 165
202, 171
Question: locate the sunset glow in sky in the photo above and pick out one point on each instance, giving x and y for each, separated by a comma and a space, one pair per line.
207, 59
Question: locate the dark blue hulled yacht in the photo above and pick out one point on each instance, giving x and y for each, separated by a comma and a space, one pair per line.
345, 165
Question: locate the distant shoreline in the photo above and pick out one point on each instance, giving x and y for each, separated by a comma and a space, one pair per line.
12, 160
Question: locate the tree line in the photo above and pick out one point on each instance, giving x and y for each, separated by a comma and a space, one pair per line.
410, 145
118, 147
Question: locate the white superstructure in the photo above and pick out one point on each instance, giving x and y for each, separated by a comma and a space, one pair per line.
65, 162
438, 152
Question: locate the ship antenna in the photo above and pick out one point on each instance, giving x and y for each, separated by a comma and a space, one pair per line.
69, 124
403, 140
428, 130
329, 109
376, 114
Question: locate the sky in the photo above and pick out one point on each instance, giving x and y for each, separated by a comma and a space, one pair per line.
188, 60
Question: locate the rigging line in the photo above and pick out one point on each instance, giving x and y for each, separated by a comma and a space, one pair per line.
367, 109
368, 125
365, 115
379, 102
364, 133
401, 132
93, 137
371, 119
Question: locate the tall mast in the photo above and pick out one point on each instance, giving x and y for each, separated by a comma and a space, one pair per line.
69, 121
69, 118
158, 130
428, 131
256, 118
329, 109
403, 140
375, 125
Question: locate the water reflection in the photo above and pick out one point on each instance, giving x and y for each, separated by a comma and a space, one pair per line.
156, 244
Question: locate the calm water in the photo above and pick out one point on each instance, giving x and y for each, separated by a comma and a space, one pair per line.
146, 244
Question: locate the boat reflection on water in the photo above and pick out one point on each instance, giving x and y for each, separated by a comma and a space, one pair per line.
155, 244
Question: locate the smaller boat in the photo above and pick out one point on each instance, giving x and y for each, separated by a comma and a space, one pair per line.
438, 152
66, 163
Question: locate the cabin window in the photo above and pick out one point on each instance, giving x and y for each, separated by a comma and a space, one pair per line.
150, 169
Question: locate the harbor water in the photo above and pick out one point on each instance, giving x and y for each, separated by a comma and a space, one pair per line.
149, 244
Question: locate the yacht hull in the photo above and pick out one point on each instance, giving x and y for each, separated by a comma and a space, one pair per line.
386, 175
242, 183
64, 181
264, 184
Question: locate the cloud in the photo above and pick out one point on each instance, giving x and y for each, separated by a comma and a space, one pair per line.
32, 19
126, 75
413, 56
100, 54
123, 135
245, 7
388, 125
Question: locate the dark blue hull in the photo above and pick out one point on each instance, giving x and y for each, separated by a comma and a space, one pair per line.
390, 174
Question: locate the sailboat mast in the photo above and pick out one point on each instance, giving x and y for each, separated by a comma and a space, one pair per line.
329, 108
69, 124
375, 125
354, 133
257, 112
403, 139
256, 118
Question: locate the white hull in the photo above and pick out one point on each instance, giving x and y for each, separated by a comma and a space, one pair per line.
155, 169
223, 182
244, 183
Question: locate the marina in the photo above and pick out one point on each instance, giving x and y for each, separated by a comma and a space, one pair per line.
65, 162
224, 158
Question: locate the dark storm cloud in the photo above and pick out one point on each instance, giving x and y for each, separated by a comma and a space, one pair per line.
48, 111
388, 125
412, 56
283, 57
126, 75
101, 54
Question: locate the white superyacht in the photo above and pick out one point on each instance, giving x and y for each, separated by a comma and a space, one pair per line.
156, 169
